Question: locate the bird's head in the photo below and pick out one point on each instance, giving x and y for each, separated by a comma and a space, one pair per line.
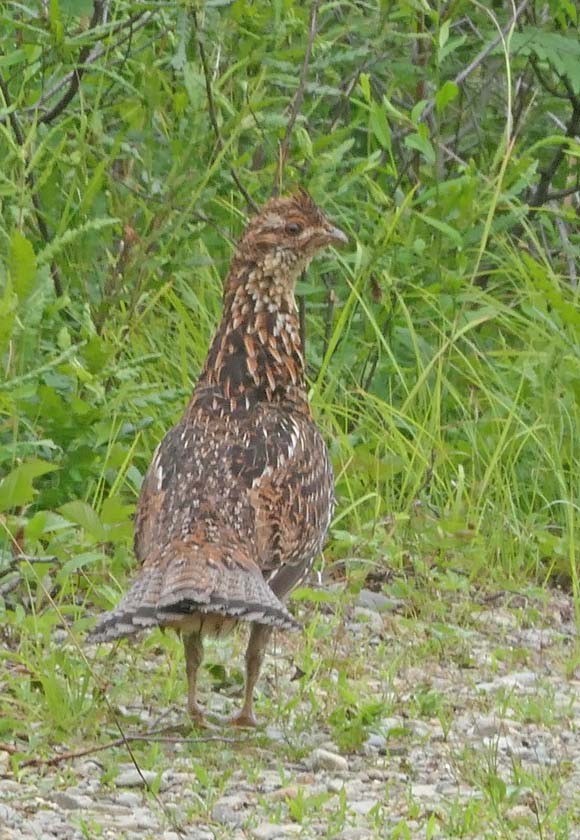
287, 233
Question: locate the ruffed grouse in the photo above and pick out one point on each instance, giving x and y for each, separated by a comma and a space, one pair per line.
239, 495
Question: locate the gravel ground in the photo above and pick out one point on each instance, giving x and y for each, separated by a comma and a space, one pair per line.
493, 733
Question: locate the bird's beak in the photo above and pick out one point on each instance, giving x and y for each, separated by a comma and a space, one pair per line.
336, 235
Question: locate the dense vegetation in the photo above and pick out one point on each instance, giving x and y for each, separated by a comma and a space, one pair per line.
443, 345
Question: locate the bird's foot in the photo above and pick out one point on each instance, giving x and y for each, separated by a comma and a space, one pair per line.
199, 718
244, 719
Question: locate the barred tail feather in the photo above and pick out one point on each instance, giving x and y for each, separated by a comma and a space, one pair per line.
191, 583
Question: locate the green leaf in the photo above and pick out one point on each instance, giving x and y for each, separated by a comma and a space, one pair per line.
421, 144
443, 228
16, 488
417, 110
8, 307
69, 236
561, 51
13, 57
380, 125
315, 596
84, 515
55, 22
22, 264
450, 46
445, 95
365, 85
116, 510
444, 33
79, 561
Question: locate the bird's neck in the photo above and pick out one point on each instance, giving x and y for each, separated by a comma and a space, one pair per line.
256, 354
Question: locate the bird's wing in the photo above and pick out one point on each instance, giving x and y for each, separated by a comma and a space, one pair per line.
291, 493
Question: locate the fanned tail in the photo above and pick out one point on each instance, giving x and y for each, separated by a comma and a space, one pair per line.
188, 579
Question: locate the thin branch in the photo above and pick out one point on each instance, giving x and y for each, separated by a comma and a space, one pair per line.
135, 23
78, 72
208, 87
12, 116
88, 55
26, 558
213, 113
480, 57
40, 223
543, 188
148, 737
543, 81
556, 195
298, 96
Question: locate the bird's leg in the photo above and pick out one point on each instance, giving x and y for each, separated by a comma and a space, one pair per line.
193, 648
259, 635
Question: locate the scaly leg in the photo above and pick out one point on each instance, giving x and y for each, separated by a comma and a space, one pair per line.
193, 649
256, 649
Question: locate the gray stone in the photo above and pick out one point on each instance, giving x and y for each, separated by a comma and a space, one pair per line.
497, 618
229, 810
517, 680
521, 814
520, 679
335, 785
70, 802
325, 760
354, 834
128, 799
377, 601
369, 617
8, 816
390, 723
271, 831
137, 821
135, 778
375, 743
363, 806
489, 725
424, 791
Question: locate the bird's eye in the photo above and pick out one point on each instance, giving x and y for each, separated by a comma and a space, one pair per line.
293, 228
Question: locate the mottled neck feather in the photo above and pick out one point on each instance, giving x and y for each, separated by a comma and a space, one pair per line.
256, 354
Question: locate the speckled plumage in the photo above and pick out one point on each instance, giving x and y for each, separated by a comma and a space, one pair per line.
238, 498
